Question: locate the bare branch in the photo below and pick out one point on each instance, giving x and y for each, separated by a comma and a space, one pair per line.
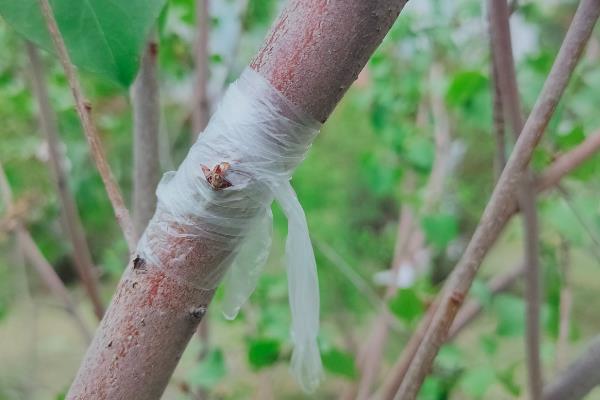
146, 125
498, 117
85, 115
568, 162
507, 83
466, 315
70, 215
498, 209
201, 106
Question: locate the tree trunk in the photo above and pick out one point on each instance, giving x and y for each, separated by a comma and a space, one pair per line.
313, 53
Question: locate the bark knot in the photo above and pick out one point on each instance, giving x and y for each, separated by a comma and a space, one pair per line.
139, 263
198, 312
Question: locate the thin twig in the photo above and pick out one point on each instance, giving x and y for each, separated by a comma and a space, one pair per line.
507, 83
70, 215
84, 109
498, 119
467, 314
498, 209
568, 162
201, 106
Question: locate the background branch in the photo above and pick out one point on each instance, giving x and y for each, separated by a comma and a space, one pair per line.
43, 268
497, 209
509, 93
146, 125
70, 214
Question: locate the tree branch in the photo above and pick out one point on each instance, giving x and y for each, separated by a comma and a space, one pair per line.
70, 215
549, 179
201, 104
507, 84
471, 309
84, 110
146, 125
498, 209
498, 117
568, 162
154, 314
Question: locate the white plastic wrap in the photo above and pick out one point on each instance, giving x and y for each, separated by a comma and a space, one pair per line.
256, 138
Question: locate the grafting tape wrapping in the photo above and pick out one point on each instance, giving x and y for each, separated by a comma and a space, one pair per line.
262, 138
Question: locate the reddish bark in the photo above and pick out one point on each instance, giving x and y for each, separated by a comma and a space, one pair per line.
314, 52
317, 48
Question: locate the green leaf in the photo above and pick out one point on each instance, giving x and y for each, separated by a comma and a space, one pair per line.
510, 311
476, 382
216, 58
440, 229
450, 357
420, 154
340, 363
507, 378
263, 352
210, 371
433, 389
464, 86
103, 36
406, 304
570, 139
489, 344
481, 292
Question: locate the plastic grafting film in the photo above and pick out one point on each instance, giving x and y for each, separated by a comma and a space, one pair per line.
257, 138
